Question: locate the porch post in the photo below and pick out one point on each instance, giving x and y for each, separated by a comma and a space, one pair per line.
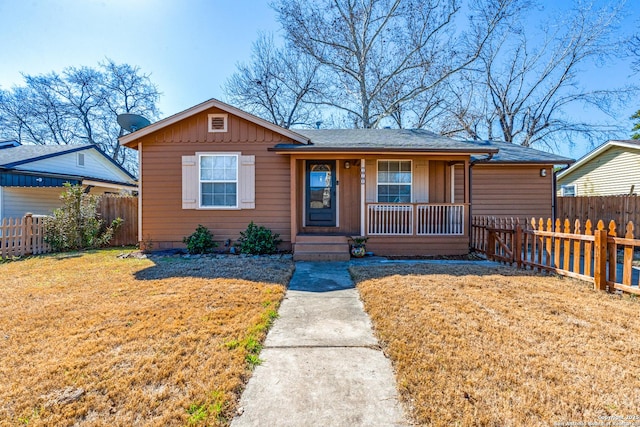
293, 185
362, 198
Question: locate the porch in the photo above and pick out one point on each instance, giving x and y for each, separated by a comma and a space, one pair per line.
414, 205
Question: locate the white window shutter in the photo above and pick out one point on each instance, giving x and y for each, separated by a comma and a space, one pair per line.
189, 182
247, 182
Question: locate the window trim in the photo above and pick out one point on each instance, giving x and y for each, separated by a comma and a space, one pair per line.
563, 187
199, 157
404, 183
225, 118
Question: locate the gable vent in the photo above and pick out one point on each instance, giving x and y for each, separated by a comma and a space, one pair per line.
217, 122
80, 159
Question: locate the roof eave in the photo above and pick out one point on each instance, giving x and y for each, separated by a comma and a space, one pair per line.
129, 139
527, 162
47, 156
372, 150
595, 153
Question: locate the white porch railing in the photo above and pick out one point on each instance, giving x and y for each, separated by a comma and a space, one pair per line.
446, 219
429, 219
390, 219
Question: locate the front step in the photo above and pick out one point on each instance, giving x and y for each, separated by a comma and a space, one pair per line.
321, 248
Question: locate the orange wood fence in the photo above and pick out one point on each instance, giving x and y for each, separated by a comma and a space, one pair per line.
22, 236
597, 254
25, 236
111, 207
621, 209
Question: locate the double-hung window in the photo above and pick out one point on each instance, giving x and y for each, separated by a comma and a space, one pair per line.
218, 180
394, 181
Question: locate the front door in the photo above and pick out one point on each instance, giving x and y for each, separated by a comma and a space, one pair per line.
321, 193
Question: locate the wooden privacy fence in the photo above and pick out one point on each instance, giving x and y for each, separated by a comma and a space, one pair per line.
25, 236
621, 209
597, 255
22, 236
113, 206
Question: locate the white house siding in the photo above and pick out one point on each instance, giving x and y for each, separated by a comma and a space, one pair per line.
611, 173
95, 166
17, 201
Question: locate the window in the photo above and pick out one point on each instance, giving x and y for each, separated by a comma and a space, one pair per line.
217, 122
218, 180
568, 190
394, 181
80, 159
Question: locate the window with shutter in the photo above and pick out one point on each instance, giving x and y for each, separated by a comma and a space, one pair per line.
218, 181
217, 122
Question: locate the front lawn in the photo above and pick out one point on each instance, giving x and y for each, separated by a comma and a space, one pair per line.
476, 345
92, 339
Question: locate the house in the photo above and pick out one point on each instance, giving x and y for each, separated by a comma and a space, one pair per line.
611, 169
32, 176
411, 192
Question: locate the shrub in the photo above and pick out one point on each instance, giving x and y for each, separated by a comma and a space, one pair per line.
201, 241
77, 224
258, 240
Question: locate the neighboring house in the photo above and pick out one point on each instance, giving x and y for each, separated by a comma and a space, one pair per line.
611, 169
32, 176
411, 192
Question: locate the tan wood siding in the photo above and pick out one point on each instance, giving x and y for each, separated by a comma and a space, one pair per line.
166, 223
349, 199
611, 173
420, 185
459, 184
418, 245
195, 130
439, 182
511, 191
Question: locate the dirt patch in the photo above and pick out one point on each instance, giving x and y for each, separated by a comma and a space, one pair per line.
93, 339
476, 345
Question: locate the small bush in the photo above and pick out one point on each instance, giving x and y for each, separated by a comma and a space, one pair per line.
77, 224
258, 240
201, 241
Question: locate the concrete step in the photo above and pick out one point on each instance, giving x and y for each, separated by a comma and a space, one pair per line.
321, 256
312, 238
321, 247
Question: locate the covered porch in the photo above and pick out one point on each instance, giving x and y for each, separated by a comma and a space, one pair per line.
406, 191
404, 205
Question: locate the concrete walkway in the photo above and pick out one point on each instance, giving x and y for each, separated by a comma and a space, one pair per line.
322, 365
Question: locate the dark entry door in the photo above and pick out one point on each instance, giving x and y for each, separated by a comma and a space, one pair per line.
321, 193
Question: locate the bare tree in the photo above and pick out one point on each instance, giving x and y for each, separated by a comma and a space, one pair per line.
378, 55
524, 88
277, 84
80, 105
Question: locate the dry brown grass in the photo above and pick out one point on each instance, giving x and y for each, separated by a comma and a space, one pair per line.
91, 339
488, 346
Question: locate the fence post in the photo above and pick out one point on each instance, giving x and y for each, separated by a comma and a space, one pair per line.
27, 234
517, 246
491, 243
600, 261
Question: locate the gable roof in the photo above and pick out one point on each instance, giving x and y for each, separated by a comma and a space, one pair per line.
13, 157
509, 153
378, 140
629, 144
131, 137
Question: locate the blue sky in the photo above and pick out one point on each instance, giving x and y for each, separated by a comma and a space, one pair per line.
190, 47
